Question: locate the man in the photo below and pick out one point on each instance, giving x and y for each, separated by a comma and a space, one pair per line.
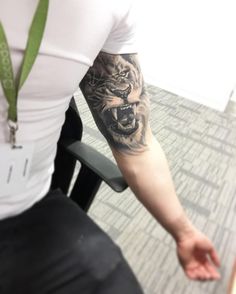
45, 246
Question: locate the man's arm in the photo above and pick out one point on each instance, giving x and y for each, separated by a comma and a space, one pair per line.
116, 95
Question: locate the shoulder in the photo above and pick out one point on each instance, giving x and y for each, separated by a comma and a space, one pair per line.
122, 37
116, 9
123, 9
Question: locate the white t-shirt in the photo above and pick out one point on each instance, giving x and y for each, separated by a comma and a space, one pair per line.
76, 31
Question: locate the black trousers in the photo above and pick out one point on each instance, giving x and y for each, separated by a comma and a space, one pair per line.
54, 247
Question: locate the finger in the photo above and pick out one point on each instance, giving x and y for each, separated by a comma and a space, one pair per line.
212, 271
214, 257
198, 273
203, 273
191, 274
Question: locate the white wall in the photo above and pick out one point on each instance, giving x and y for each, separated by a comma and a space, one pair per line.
189, 47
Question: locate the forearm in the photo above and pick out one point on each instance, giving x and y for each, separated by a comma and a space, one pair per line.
149, 177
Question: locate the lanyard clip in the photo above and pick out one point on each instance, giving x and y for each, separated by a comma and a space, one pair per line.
13, 127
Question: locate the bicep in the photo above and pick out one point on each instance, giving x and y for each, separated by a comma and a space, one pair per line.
114, 90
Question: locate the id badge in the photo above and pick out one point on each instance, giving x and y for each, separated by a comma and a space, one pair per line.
15, 166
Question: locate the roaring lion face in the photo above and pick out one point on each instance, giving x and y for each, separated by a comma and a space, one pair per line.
116, 96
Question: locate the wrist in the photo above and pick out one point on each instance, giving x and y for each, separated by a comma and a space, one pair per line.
182, 228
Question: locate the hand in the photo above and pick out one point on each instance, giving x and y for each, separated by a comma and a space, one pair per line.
198, 257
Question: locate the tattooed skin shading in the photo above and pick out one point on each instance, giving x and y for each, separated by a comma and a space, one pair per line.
115, 92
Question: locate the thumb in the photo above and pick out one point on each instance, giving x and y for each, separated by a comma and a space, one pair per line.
212, 253
214, 257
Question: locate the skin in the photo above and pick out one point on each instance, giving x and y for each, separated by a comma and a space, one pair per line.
117, 98
116, 95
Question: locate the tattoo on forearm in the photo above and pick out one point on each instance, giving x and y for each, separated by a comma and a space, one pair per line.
115, 92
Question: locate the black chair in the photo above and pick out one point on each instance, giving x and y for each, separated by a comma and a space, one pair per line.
95, 167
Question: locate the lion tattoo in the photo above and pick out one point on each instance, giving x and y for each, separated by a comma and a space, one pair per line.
114, 90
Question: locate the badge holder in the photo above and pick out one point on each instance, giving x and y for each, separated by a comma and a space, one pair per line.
15, 163
13, 127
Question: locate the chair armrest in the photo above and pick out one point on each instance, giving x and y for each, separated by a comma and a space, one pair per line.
96, 162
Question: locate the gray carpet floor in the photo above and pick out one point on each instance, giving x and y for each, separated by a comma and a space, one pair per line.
200, 144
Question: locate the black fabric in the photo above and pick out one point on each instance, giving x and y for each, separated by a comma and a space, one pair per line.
54, 247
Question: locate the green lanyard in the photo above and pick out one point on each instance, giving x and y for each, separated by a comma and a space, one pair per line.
11, 86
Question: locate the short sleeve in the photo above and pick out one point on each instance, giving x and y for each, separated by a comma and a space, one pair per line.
123, 37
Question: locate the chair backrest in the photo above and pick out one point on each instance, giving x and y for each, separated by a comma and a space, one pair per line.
65, 164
